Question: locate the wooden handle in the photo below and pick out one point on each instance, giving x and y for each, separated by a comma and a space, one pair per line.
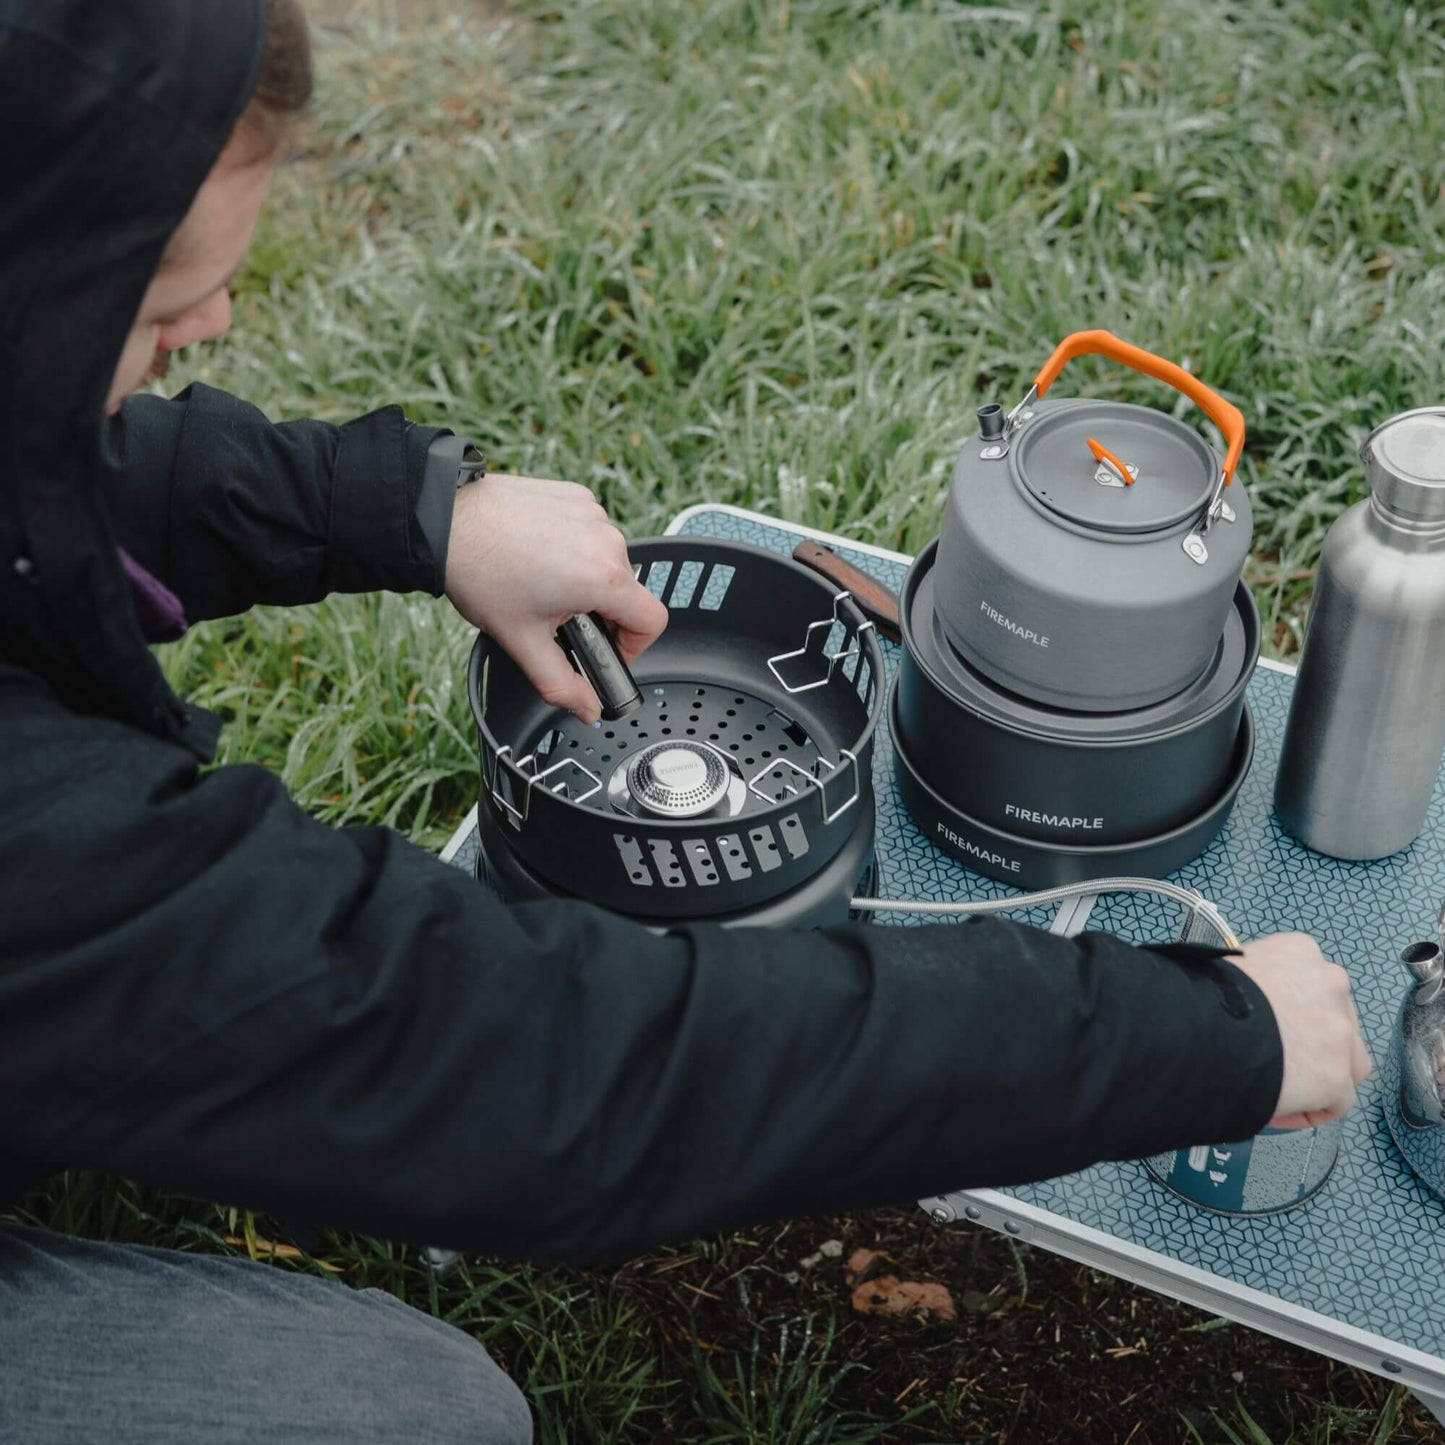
875, 601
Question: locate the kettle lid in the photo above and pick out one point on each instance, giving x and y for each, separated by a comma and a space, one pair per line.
1072, 456
1404, 462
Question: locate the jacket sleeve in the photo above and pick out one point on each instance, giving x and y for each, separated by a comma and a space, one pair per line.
203, 988
229, 509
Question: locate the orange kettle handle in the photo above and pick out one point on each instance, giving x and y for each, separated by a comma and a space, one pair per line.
1224, 414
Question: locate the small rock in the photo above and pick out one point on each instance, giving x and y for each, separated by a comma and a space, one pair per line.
831, 1249
792, 1276
1238, 1377
861, 1261
889, 1295
808, 1261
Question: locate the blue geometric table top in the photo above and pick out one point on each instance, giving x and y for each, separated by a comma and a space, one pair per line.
1368, 1250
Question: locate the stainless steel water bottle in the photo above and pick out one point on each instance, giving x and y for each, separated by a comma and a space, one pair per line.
1367, 721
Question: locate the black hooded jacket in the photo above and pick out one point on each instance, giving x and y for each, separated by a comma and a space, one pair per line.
205, 989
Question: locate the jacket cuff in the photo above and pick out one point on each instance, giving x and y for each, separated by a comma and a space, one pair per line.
1253, 1085
1201, 1042
1072, 1051
376, 538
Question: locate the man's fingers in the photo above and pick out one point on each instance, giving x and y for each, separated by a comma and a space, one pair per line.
1291, 1121
552, 674
1361, 1066
637, 617
1310, 1119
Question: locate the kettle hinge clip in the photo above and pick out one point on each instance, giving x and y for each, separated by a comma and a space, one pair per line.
1020, 413
1217, 509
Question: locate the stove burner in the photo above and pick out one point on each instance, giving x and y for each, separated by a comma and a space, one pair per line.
678, 779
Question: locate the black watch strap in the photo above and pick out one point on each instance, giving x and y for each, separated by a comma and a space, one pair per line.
451, 462
473, 465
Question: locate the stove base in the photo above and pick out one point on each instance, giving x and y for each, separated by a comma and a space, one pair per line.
822, 902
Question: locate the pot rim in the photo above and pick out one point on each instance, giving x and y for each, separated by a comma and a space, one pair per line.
1243, 601
864, 630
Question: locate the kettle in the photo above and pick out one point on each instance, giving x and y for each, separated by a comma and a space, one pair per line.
1090, 550
1413, 1074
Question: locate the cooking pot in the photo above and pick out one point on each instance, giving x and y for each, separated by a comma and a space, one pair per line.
1090, 550
1082, 779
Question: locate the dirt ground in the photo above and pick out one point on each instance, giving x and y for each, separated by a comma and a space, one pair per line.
1040, 1349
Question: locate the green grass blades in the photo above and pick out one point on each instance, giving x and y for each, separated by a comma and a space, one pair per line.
359, 704
782, 1393
775, 254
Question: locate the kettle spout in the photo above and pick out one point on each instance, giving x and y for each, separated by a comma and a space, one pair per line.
1422, 1038
1425, 962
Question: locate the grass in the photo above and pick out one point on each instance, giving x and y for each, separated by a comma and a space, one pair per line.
775, 252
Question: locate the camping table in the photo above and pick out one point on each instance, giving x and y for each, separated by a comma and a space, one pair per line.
1355, 1273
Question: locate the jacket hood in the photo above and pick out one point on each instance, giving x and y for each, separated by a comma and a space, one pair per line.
116, 111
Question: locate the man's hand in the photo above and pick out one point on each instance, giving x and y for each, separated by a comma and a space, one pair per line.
525, 556
1325, 1058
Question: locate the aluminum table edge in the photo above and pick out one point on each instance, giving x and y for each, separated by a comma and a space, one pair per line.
465, 829
1027, 1224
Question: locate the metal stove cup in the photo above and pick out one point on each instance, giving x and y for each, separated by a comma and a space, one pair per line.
1274, 1171
1277, 1169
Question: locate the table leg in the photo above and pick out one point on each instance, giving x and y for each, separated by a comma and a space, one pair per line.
1435, 1404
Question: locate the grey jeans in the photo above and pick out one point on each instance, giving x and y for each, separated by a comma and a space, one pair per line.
122, 1344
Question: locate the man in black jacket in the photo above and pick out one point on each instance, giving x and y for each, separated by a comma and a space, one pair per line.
205, 989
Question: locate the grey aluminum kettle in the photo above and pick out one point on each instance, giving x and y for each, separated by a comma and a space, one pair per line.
1090, 550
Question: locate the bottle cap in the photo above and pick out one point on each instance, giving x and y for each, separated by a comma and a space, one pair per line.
1405, 464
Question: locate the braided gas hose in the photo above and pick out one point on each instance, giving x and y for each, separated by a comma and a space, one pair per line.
1203, 915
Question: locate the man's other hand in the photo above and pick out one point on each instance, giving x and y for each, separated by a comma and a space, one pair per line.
1325, 1058
524, 556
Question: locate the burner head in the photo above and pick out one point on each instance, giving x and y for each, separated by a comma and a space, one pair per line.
678, 780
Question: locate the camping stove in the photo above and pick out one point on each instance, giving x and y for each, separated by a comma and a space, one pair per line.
738, 791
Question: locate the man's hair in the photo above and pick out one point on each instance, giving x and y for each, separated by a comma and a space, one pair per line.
285, 82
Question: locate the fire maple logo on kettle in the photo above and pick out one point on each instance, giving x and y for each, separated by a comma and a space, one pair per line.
1009, 625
